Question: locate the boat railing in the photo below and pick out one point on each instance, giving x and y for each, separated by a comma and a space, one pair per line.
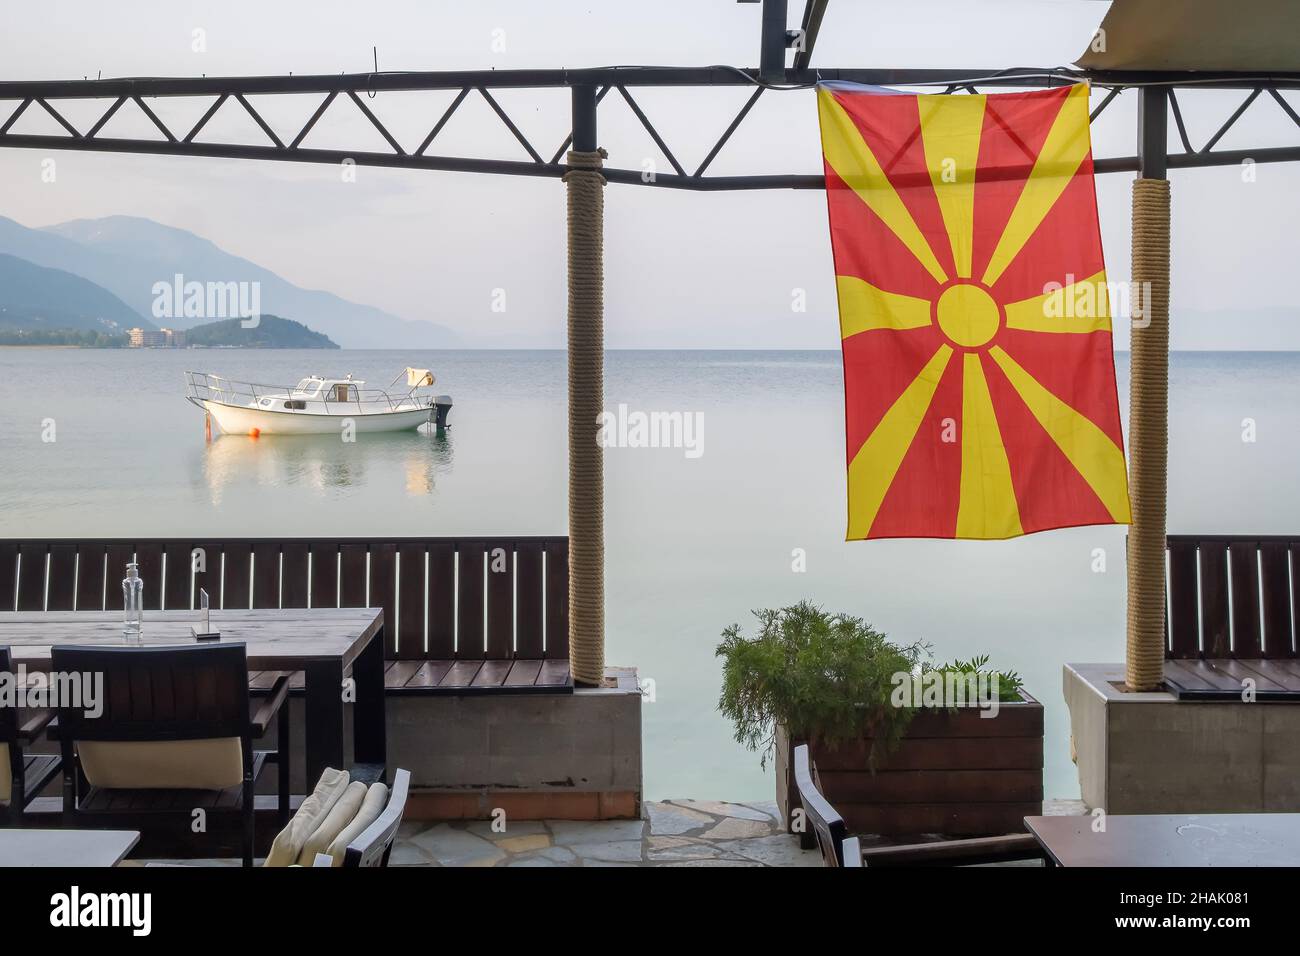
204, 386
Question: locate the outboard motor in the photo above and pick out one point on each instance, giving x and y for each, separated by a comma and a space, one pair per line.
441, 409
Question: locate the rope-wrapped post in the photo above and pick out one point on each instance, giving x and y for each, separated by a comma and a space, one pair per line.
1148, 427
586, 200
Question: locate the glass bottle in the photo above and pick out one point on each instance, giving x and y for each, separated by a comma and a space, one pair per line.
133, 604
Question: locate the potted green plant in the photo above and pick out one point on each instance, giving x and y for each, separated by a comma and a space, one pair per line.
900, 746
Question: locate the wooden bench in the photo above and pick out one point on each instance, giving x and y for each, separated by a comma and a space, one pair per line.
1232, 602
461, 615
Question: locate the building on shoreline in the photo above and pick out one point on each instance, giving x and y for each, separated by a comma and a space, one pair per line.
159, 339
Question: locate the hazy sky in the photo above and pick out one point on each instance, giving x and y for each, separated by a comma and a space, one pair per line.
683, 269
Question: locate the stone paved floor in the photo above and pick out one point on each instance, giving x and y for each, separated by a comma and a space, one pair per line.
673, 833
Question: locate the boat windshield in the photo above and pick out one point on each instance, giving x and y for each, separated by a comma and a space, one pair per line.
308, 386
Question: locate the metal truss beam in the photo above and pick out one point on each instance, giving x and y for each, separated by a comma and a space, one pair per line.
595, 84
813, 12
629, 76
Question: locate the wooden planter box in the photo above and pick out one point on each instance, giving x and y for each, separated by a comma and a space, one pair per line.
958, 774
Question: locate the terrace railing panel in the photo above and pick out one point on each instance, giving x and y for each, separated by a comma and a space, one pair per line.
557, 599
295, 574
412, 588
90, 577
1233, 597
442, 601
31, 580
501, 567
529, 597
1185, 616
324, 573
236, 567
61, 589
1216, 634
469, 601
1275, 598
383, 590
179, 559
8, 573
469, 614
149, 555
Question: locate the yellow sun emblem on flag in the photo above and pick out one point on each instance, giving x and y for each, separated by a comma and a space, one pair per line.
979, 401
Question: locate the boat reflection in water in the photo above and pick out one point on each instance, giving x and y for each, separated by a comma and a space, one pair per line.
407, 463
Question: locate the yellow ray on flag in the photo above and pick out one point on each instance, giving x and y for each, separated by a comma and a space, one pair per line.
873, 468
1089, 449
852, 159
864, 307
950, 132
987, 508
1066, 146
1077, 307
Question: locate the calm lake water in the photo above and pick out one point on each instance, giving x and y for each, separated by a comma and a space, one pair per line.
692, 543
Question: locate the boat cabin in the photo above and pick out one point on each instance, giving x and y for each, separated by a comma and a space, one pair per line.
327, 389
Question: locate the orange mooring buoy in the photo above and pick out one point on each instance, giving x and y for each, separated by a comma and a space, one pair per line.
254, 432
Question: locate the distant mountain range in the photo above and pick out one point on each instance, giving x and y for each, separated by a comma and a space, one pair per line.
126, 257
37, 298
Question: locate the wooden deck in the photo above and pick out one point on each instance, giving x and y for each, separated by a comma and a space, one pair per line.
1277, 680
456, 677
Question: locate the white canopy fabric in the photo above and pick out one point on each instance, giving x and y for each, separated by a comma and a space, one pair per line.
1254, 36
418, 377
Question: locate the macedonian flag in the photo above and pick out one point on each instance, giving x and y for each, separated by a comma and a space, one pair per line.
979, 378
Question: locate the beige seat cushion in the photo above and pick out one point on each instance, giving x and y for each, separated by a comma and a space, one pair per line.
341, 814
6, 775
289, 842
373, 805
210, 764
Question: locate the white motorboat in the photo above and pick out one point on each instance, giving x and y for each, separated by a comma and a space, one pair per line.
316, 405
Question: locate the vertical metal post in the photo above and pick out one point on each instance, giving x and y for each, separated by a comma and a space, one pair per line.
771, 57
1149, 399
584, 119
586, 339
1153, 132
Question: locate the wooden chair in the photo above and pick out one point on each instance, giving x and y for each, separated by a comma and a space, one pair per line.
852, 853
374, 845
827, 824
174, 736
26, 774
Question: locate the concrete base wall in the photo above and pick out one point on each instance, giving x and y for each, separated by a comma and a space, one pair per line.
1151, 753
556, 756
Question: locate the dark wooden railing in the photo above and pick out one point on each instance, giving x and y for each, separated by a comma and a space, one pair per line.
1232, 596
444, 599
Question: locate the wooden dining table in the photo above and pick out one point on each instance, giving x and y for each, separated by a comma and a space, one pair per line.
1183, 839
328, 645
